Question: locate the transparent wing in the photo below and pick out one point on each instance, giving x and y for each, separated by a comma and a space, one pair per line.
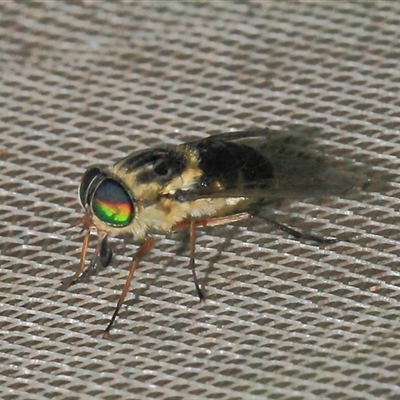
300, 168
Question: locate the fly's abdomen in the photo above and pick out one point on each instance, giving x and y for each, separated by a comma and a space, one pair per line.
232, 165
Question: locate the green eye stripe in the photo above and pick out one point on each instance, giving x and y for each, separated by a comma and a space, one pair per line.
112, 204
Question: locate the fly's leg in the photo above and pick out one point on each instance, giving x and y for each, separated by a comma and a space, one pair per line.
142, 251
192, 265
101, 256
298, 234
81, 272
211, 222
105, 253
218, 221
81, 268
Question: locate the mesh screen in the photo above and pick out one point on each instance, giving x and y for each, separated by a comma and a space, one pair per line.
87, 82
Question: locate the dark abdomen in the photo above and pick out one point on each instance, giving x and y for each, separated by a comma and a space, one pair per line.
232, 165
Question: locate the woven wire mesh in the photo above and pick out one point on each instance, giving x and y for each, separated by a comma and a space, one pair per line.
87, 82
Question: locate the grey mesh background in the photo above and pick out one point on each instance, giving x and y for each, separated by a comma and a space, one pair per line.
87, 82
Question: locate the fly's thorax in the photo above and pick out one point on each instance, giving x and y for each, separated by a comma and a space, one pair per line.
152, 173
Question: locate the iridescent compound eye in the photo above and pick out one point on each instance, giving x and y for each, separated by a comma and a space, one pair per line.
112, 204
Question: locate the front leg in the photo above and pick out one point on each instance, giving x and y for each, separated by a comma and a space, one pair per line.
142, 251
